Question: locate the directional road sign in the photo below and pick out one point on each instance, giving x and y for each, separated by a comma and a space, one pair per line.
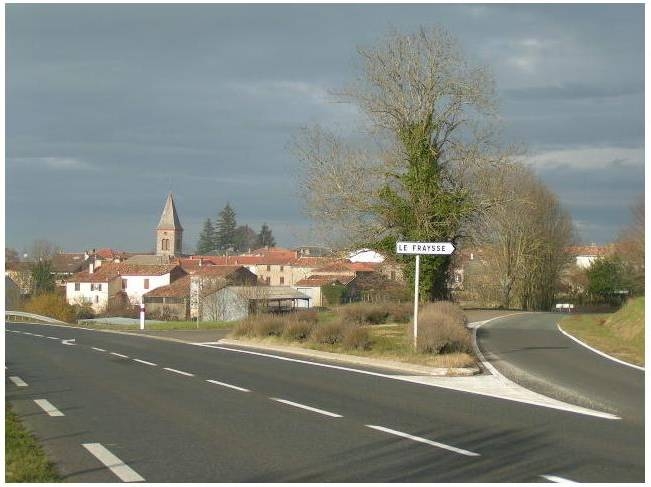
425, 248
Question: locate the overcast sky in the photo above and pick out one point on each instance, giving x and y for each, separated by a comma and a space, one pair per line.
109, 107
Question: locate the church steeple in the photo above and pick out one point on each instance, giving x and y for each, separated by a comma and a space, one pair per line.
169, 232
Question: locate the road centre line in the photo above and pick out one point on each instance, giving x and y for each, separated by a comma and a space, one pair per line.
303, 406
54, 338
599, 352
424, 440
48, 407
179, 372
145, 362
98, 349
557, 479
37, 335
18, 381
113, 463
228, 385
119, 355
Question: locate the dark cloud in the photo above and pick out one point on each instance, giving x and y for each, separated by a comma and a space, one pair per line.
108, 107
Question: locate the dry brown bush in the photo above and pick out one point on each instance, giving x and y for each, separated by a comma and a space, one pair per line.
400, 312
441, 329
244, 328
329, 333
53, 305
297, 329
356, 337
364, 313
268, 325
308, 316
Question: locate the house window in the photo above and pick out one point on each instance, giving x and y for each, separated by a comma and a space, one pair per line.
124, 283
165, 244
96, 299
282, 268
77, 286
268, 280
146, 283
282, 281
268, 268
99, 287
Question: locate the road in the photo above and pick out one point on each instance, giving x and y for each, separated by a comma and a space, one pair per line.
174, 412
530, 350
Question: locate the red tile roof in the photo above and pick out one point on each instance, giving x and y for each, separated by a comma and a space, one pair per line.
178, 289
110, 271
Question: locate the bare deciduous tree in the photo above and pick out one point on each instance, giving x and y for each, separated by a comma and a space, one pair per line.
433, 124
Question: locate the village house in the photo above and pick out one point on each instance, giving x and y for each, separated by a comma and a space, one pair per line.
99, 287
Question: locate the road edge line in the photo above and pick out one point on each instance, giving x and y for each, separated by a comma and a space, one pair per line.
599, 352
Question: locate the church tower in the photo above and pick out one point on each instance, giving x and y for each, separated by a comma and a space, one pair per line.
169, 232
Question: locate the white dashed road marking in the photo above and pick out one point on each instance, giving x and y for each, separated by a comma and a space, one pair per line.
558, 480
145, 362
18, 381
228, 385
54, 338
179, 372
98, 349
303, 406
119, 355
48, 407
113, 463
424, 440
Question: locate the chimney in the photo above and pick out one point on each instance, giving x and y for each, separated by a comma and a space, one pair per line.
91, 267
200, 262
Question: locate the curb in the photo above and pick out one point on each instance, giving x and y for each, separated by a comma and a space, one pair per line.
353, 359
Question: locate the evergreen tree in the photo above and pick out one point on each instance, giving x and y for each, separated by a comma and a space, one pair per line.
225, 231
245, 238
265, 237
206, 238
42, 277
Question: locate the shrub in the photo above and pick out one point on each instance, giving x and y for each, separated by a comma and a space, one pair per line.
52, 305
299, 330
441, 330
308, 316
268, 325
356, 337
447, 308
244, 328
329, 333
400, 312
364, 313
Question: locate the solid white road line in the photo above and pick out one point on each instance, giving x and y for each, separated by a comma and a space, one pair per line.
303, 406
179, 372
119, 355
18, 381
144, 362
424, 440
98, 349
48, 407
558, 480
597, 351
113, 463
227, 385
54, 338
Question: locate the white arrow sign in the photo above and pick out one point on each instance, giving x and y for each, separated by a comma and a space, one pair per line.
427, 248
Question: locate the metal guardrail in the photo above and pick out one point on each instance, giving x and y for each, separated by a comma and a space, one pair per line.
32, 317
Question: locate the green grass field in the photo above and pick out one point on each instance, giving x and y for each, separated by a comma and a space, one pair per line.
619, 334
25, 460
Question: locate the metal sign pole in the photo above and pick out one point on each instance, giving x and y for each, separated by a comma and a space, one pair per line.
416, 278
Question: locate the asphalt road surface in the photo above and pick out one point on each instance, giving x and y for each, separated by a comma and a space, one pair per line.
530, 350
111, 407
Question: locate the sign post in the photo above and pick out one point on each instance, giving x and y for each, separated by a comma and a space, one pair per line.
418, 248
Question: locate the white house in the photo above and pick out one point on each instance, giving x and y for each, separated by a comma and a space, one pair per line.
98, 287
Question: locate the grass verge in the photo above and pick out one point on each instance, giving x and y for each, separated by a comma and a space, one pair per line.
25, 460
166, 325
619, 334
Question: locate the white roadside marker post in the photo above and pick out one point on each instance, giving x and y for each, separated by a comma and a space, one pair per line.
418, 248
142, 315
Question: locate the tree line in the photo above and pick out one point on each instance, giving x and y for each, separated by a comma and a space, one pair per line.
225, 235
